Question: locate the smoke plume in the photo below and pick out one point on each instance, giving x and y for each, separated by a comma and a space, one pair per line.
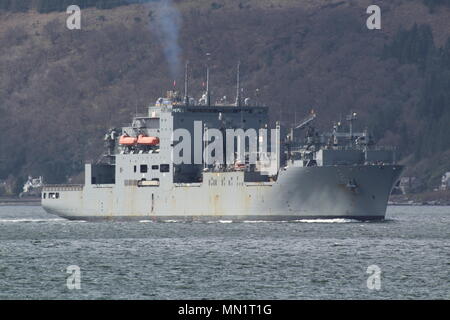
166, 24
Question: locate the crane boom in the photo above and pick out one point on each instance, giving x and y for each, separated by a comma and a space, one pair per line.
305, 121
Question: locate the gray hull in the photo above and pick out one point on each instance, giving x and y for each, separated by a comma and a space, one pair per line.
356, 192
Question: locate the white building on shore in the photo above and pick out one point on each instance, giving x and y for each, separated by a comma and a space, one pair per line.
445, 181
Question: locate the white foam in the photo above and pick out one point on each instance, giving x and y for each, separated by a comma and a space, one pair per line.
337, 220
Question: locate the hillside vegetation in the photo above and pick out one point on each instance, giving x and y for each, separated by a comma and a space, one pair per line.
61, 89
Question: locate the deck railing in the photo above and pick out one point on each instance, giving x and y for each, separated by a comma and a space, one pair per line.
63, 187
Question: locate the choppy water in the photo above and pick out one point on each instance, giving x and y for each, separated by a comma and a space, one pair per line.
325, 259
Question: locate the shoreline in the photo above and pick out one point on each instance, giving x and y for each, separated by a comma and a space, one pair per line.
417, 204
430, 198
20, 201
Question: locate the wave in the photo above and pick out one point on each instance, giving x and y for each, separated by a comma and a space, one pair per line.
331, 220
335, 220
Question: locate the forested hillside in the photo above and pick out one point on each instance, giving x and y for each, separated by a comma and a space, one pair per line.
61, 89
45, 6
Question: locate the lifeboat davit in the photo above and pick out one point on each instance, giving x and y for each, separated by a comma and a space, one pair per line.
127, 140
147, 141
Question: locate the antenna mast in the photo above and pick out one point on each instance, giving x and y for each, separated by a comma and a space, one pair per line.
208, 96
351, 118
238, 87
186, 75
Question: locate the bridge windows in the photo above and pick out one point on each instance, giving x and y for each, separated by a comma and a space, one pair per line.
145, 168
165, 168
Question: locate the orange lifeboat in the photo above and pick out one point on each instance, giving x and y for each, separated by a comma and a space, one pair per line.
147, 141
127, 140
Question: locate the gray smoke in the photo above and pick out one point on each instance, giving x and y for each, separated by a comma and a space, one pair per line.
166, 25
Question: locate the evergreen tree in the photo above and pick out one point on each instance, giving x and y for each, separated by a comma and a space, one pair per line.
433, 4
5, 5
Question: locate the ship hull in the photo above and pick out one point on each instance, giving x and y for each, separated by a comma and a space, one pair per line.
353, 192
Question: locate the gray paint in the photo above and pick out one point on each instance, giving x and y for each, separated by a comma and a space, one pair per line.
330, 189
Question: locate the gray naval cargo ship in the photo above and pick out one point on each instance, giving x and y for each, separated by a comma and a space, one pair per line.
301, 173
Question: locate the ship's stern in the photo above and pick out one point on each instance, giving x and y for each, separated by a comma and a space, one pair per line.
62, 200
